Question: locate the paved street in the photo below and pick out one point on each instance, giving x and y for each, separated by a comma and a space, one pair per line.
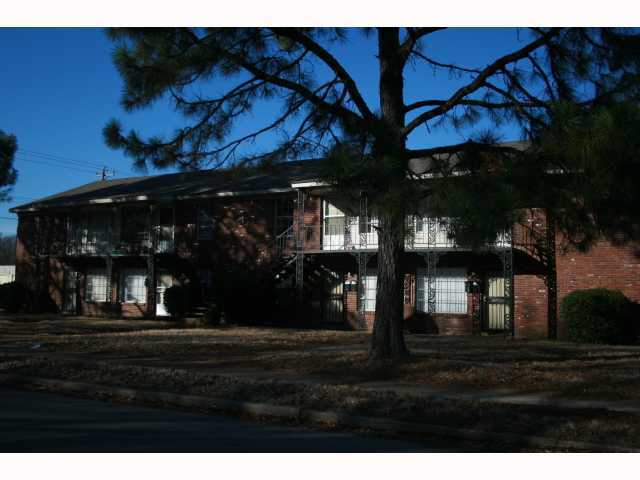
44, 422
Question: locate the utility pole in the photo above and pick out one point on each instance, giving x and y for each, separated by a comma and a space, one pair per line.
105, 173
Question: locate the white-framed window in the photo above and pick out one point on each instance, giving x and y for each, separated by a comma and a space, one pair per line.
134, 286
451, 296
333, 220
96, 286
370, 286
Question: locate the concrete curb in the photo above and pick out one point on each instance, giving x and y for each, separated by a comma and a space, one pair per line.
304, 415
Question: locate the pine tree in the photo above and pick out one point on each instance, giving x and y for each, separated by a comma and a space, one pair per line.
324, 114
8, 174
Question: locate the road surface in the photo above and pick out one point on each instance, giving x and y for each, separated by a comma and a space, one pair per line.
44, 422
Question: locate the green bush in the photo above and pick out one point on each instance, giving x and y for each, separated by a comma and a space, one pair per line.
14, 297
598, 315
177, 300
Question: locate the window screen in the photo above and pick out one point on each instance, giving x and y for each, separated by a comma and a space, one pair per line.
370, 285
96, 286
450, 292
134, 287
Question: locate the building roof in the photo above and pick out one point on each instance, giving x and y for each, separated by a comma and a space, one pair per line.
184, 185
278, 178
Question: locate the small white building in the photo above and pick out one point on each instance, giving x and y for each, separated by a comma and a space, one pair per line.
7, 273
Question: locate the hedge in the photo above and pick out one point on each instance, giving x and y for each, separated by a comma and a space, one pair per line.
598, 315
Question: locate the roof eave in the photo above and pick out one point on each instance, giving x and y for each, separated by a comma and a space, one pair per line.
145, 198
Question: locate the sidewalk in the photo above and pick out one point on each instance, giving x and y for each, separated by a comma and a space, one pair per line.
551, 400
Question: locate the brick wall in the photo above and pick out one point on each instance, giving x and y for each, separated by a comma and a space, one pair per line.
530, 306
312, 222
603, 266
452, 324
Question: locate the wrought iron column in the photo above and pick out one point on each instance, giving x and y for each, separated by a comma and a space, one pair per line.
346, 240
432, 261
363, 260
109, 262
300, 248
151, 265
552, 280
363, 221
507, 271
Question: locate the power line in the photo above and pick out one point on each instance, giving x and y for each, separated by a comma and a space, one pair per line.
58, 165
60, 158
9, 218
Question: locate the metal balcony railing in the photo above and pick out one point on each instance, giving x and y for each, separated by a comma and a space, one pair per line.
88, 243
355, 233
164, 238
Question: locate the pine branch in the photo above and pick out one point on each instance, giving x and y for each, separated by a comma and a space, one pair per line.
479, 81
331, 62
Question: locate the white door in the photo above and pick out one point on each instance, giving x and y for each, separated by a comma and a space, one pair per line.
163, 282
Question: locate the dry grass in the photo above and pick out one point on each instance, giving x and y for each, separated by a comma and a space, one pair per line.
326, 369
339, 357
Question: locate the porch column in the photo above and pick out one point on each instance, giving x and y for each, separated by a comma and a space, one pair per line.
300, 249
552, 280
109, 262
363, 260
363, 221
507, 272
431, 258
151, 265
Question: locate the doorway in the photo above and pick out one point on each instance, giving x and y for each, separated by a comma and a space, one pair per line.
70, 303
496, 304
333, 302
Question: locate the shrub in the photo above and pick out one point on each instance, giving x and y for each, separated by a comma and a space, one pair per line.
14, 297
244, 296
177, 300
598, 315
213, 315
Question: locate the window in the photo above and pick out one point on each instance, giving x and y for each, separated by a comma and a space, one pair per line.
96, 286
451, 296
164, 230
370, 284
95, 235
135, 227
134, 286
206, 223
441, 230
333, 220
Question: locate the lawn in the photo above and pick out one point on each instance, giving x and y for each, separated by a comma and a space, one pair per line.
584, 371
327, 369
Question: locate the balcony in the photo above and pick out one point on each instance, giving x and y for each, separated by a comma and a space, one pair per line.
422, 233
88, 243
133, 243
347, 234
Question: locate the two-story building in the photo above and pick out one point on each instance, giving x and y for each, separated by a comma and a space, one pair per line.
113, 247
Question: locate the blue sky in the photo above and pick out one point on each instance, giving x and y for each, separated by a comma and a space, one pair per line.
59, 87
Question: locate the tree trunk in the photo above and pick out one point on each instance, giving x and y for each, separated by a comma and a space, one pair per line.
388, 338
